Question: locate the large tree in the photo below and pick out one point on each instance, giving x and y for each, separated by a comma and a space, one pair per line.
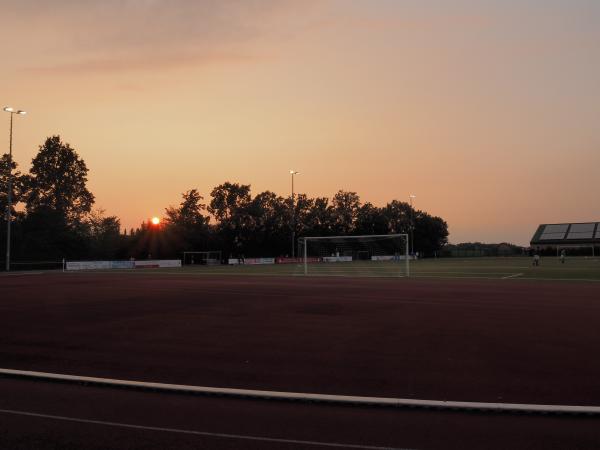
345, 211
105, 235
57, 181
189, 212
187, 227
399, 216
270, 228
229, 206
315, 216
229, 201
431, 233
370, 220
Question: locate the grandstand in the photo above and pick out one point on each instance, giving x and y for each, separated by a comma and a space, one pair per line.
577, 238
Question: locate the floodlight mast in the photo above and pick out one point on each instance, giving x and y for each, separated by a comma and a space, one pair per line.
12, 112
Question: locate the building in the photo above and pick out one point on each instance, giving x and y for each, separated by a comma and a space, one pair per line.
575, 238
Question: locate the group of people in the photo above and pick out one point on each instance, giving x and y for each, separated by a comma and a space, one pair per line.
562, 257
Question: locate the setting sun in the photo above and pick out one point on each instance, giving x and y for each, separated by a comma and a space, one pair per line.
155, 221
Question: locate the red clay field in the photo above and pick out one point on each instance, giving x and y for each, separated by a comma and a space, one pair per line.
508, 341
520, 341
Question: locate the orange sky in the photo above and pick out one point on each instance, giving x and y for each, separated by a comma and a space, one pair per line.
488, 111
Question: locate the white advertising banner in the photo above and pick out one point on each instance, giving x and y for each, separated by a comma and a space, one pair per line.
251, 261
259, 261
87, 265
107, 265
383, 258
156, 263
337, 258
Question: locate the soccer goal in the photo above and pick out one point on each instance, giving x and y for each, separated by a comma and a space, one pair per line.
384, 255
211, 258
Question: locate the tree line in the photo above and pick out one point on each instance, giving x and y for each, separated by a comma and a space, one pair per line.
53, 217
473, 249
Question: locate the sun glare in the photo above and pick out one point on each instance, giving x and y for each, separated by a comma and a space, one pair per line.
155, 221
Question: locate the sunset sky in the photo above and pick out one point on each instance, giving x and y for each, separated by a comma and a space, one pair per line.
488, 111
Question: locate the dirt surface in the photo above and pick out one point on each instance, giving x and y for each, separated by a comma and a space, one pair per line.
230, 424
468, 340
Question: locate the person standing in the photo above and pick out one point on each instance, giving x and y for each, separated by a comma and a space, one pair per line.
563, 254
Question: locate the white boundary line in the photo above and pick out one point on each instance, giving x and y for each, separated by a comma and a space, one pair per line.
193, 432
308, 397
514, 275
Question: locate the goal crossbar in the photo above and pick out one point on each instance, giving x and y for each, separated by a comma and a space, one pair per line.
364, 236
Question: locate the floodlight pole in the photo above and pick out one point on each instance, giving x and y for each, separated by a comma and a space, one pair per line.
292, 173
9, 183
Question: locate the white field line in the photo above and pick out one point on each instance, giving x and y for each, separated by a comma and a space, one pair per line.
194, 432
307, 397
514, 275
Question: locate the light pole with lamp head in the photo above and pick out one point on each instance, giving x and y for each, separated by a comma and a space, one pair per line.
292, 173
12, 112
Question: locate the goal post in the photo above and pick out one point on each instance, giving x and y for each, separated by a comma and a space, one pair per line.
206, 258
364, 255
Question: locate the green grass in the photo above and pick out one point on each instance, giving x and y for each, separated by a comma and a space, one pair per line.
513, 268
575, 268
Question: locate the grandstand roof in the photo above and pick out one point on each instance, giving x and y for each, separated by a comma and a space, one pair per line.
567, 234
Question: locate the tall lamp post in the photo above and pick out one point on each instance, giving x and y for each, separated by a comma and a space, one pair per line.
412, 224
12, 112
292, 173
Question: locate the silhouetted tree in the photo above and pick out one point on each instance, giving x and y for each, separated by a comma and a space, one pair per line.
189, 212
270, 230
57, 182
229, 207
105, 235
371, 220
187, 228
398, 215
57, 202
345, 206
430, 234
316, 216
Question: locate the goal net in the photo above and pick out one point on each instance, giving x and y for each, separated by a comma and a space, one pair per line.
370, 255
211, 258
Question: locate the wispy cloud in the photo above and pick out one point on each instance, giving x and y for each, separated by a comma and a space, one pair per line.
119, 35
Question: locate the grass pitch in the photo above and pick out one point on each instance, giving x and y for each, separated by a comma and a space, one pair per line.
574, 269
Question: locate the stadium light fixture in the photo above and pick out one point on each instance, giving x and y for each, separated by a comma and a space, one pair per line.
292, 173
12, 112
